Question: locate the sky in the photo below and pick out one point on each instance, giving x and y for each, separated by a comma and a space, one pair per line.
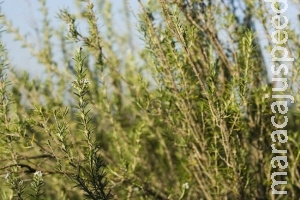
26, 15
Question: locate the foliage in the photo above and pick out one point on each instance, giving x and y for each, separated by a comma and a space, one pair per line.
182, 117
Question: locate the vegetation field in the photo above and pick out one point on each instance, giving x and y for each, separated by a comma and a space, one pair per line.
180, 99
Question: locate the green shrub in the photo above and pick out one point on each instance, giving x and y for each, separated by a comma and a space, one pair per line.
184, 116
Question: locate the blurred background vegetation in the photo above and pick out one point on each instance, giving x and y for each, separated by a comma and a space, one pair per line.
181, 116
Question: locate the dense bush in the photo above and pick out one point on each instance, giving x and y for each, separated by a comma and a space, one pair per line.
183, 117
